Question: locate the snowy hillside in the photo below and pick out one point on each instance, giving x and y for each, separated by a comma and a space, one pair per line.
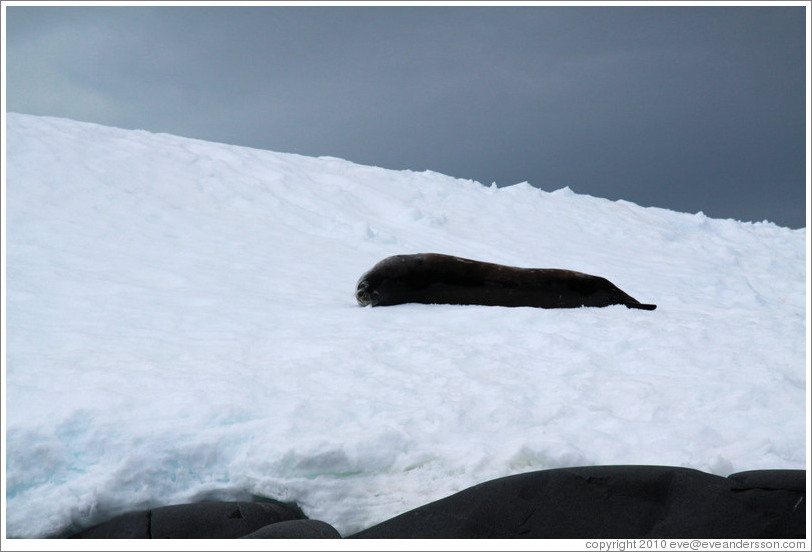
181, 325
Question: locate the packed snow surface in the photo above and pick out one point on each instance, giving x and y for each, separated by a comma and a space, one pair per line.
181, 325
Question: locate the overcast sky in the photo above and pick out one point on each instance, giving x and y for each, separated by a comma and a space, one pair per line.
688, 108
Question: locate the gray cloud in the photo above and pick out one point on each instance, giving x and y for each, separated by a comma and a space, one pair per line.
688, 108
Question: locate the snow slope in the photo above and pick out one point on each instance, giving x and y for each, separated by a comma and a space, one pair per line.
181, 325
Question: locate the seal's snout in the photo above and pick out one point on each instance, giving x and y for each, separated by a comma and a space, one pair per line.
364, 296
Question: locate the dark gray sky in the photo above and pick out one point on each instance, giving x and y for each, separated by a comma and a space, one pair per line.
689, 108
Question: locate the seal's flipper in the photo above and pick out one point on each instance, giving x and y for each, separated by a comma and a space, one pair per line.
643, 306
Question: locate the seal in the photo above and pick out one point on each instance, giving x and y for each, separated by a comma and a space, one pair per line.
434, 278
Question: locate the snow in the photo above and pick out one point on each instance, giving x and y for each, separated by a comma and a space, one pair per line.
181, 325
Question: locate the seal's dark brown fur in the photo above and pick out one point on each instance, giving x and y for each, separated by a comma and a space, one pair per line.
435, 278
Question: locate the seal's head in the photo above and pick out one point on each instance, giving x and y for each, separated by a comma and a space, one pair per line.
384, 283
365, 293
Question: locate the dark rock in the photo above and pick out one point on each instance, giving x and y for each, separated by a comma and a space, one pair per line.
217, 520
202, 520
134, 525
606, 502
750, 488
771, 480
588, 502
296, 529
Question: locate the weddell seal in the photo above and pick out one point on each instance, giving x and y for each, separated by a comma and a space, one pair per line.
435, 278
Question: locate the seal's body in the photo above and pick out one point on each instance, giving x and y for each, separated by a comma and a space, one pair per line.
435, 278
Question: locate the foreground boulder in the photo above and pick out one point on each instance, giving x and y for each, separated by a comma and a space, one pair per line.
202, 520
583, 503
613, 502
296, 529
